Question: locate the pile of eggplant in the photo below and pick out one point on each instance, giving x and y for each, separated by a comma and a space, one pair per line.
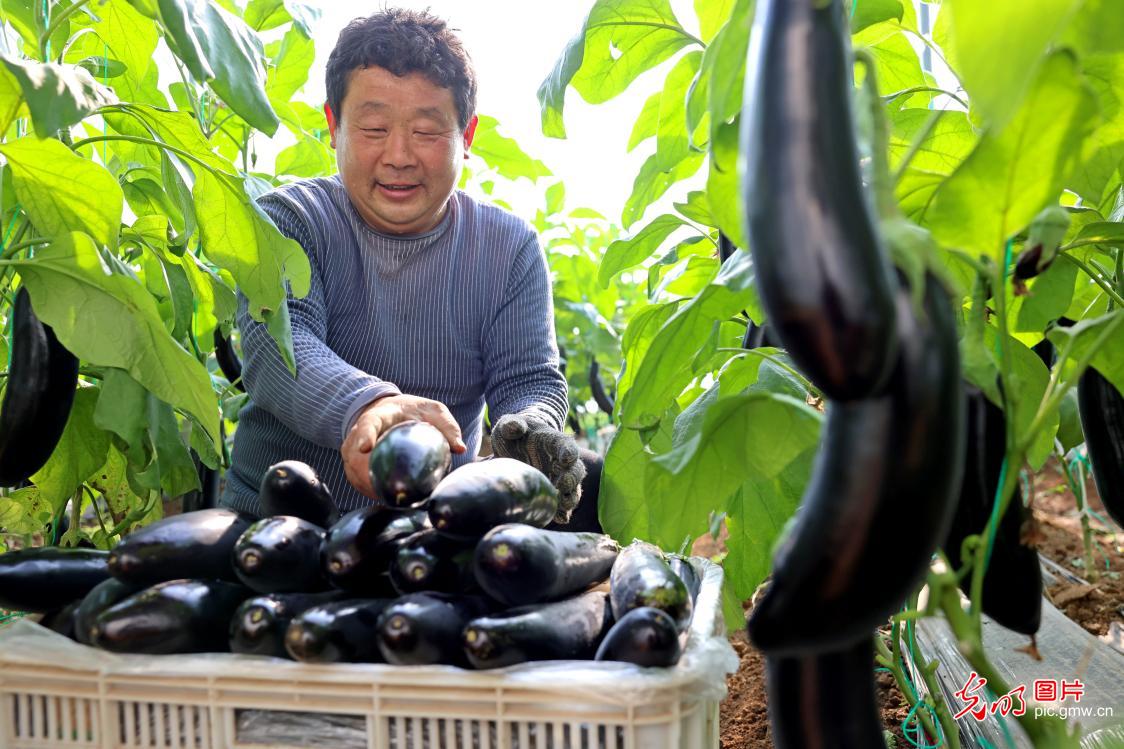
445, 567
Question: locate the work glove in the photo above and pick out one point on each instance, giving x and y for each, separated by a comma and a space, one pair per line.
529, 438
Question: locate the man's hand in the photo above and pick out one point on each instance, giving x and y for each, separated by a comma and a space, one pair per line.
380, 416
530, 439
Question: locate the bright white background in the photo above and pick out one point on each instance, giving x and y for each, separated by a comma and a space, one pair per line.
513, 44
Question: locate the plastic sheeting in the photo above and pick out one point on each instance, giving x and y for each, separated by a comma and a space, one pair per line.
1069, 655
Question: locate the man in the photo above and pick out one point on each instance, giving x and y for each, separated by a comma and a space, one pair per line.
424, 304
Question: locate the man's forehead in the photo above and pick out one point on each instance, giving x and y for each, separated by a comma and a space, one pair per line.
376, 107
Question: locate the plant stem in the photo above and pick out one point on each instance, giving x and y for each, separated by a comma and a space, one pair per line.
665, 26
885, 202
890, 659
1043, 732
918, 141
157, 144
1105, 285
1078, 490
55, 23
922, 89
189, 91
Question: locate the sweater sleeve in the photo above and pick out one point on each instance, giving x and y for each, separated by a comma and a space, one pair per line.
323, 400
520, 349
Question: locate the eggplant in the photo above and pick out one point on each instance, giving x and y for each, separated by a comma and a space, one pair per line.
425, 628
407, 463
642, 577
825, 700
879, 491
62, 620
357, 550
176, 616
570, 629
686, 572
645, 636
478, 496
823, 274
597, 390
280, 554
339, 632
1012, 584
518, 564
194, 545
229, 363
105, 594
259, 624
428, 561
46, 578
42, 379
1102, 420
294, 488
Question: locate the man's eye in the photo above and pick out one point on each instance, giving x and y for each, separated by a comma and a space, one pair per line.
374, 130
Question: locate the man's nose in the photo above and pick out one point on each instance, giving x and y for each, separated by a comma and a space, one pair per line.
398, 152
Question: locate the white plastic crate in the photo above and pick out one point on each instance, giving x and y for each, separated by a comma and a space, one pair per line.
57, 693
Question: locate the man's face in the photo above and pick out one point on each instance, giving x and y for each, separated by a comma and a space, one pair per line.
399, 149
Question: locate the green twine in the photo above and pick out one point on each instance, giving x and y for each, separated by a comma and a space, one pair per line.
854, 4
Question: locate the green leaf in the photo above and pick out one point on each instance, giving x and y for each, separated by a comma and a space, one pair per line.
503, 154
109, 320
755, 517
619, 40
712, 14
64, 192
57, 96
939, 154
127, 35
218, 47
637, 339
122, 409
672, 145
665, 368
1097, 27
651, 183
1070, 433
555, 198
80, 451
308, 157
627, 253
11, 99
722, 187
865, 13
997, 48
172, 472
102, 67
623, 505
1103, 153
897, 64
263, 15
1048, 297
697, 208
1104, 332
112, 481
724, 66
1102, 232
1013, 174
289, 62
647, 123
25, 511
1029, 379
689, 277
238, 236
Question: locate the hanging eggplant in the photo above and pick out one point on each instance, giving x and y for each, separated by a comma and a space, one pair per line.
823, 275
826, 700
1012, 584
597, 388
229, 363
880, 498
42, 379
1102, 419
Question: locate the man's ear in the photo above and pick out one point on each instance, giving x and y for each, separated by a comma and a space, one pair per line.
470, 133
331, 123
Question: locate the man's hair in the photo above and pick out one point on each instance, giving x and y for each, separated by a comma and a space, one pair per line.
403, 42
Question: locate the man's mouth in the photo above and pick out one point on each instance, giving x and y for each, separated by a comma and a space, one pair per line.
396, 187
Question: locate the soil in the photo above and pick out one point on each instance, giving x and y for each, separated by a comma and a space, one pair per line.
744, 718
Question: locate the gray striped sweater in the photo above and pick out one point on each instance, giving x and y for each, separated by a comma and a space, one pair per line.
461, 314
